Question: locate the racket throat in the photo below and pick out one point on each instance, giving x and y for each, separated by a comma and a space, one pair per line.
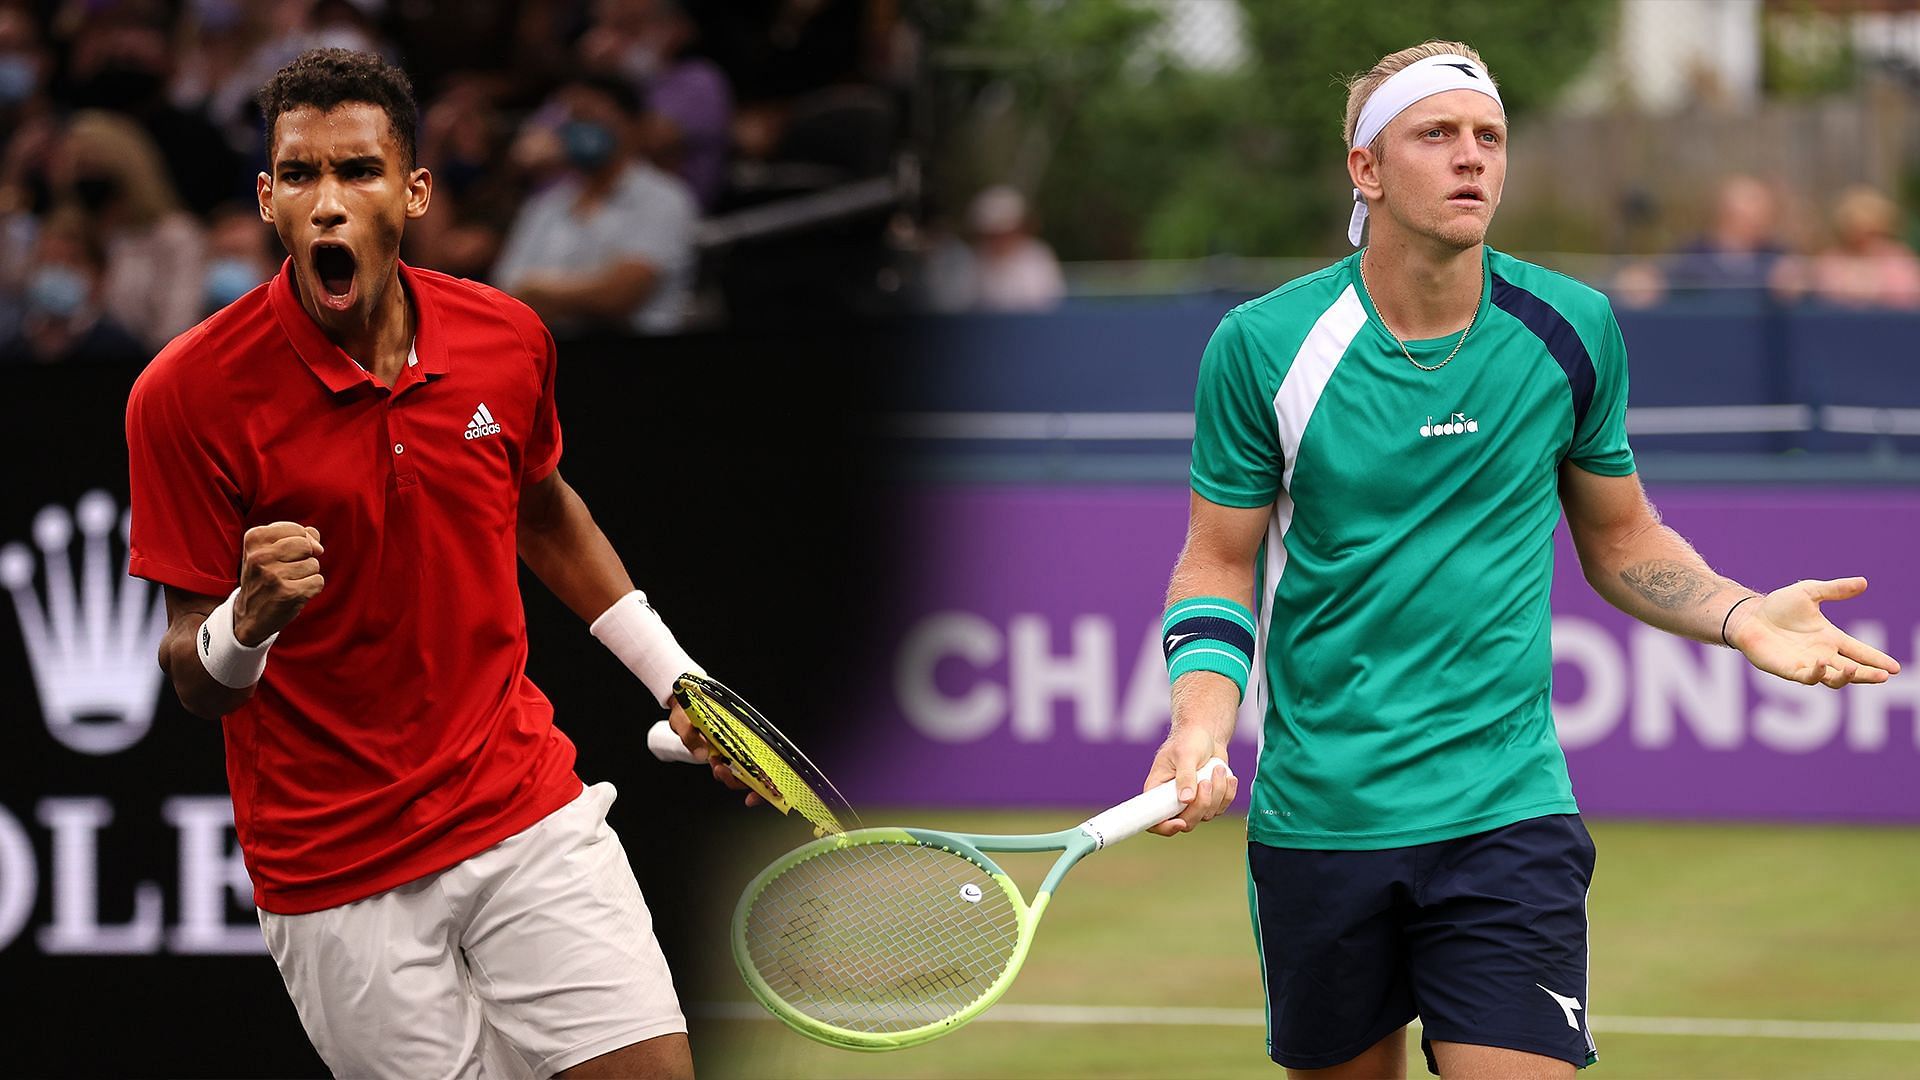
1060, 867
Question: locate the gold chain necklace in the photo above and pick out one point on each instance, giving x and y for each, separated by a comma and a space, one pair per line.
1403, 345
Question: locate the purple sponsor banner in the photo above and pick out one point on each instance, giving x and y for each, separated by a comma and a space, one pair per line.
1025, 666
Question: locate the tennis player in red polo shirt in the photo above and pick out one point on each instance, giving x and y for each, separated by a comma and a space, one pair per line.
333, 478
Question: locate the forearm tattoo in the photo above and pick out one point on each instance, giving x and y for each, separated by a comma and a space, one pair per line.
1670, 585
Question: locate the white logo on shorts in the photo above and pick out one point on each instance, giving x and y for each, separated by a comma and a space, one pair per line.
1567, 1005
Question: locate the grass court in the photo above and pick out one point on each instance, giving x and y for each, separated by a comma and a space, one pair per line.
1704, 937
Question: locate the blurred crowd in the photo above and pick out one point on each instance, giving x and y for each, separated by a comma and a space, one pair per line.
577, 146
1755, 248
623, 166
999, 264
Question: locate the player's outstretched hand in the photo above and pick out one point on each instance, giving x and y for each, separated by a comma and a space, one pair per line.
696, 743
1186, 749
279, 573
1784, 633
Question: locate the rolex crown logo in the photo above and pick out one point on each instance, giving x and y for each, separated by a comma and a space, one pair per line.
92, 645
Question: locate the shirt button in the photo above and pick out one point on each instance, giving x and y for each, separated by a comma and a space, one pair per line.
399, 448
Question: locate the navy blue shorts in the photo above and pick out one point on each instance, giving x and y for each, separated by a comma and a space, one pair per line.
1483, 937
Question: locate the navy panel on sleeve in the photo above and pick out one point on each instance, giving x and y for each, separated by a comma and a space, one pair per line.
1557, 334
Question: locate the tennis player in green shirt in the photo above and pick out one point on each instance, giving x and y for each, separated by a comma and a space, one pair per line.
1381, 451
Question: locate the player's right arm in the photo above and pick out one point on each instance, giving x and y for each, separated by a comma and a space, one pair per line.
202, 696
1236, 479
1217, 560
279, 574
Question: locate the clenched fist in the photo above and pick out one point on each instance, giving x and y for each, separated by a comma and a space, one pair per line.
279, 573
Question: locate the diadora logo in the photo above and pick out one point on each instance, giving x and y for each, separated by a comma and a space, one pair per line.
1568, 1006
1457, 424
90, 646
482, 424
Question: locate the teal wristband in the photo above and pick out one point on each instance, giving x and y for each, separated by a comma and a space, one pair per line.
1209, 633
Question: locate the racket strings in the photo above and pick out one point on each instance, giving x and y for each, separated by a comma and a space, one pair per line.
882, 937
742, 746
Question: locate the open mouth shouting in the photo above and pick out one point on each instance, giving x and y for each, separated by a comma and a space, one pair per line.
333, 266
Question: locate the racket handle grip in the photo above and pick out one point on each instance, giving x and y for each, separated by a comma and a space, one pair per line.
667, 746
1145, 810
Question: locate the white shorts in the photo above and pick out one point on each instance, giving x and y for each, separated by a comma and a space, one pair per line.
533, 956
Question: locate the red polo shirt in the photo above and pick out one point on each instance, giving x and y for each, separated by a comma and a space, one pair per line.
395, 731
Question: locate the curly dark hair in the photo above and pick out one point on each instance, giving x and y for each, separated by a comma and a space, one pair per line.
325, 78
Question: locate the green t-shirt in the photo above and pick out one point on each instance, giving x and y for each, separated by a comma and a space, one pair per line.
1404, 626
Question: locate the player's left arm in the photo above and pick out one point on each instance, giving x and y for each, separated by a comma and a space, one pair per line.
565, 548
1649, 571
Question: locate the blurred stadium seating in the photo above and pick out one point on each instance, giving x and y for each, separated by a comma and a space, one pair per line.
787, 122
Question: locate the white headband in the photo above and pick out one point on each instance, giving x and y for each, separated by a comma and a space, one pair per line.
1418, 80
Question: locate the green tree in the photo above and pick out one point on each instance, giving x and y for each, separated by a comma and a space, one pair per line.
1132, 154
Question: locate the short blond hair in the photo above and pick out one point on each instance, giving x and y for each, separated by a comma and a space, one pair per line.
1361, 87
1861, 209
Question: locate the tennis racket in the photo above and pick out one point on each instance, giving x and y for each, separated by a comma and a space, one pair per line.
880, 939
747, 743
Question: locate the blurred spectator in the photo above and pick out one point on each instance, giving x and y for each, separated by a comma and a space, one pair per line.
216, 70
814, 114
1739, 257
230, 48
607, 244
1868, 266
28, 130
1016, 270
524, 46
28, 120
780, 50
63, 319
1742, 249
1638, 285
156, 252
610, 243
947, 277
240, 255
121, 61
474, 193
459, 138
688, 128
23, 68
346, 24
809, 115
536, 154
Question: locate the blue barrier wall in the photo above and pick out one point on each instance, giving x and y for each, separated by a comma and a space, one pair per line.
1143, 357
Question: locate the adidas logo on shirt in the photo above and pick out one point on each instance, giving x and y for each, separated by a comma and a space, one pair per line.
482, 424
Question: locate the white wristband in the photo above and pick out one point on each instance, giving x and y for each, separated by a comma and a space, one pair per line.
231, 664
636, 634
